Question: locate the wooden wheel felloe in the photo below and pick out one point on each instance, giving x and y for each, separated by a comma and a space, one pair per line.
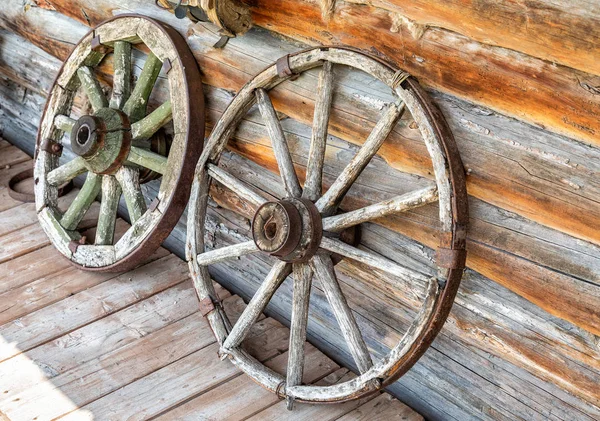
116, 142
301, 230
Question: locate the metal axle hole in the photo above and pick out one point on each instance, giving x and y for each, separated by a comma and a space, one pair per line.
270, 230
83, 134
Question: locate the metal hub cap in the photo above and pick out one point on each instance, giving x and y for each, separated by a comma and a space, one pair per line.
290, 229
102, 139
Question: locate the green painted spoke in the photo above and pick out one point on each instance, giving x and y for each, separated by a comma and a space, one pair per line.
64, 123
122, 74
147, 159
92, 88
135, 107
66, 172
111, 192
82, 202
147, 126
129, 179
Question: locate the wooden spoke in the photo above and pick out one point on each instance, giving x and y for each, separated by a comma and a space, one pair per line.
257, 304
226, 253
372, 259
135, 106
280, 146
64, 123
235, 185
402, 203
147, 159
147, 126
331, 199
323, 268
92, 88
82, 202
302, 281
111, 192
318, 140
122, 74
66, 172
129, 179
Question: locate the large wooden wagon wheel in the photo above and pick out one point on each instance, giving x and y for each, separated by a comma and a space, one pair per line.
120, 143
302, 230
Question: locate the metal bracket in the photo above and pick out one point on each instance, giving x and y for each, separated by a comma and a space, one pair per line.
52, 147
74, 244
207, 305
166, 66
283, 68
222, 42
154, 204
450, 258
97, 46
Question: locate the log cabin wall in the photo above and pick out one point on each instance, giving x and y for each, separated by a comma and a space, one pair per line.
518, 82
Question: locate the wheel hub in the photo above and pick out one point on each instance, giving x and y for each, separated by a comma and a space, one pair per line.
103, 140
290, 229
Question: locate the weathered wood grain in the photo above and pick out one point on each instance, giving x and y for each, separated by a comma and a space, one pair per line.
498, 231
322, 267
471, 302
480, 73
318, 140
221, 403
517, 184
565, 32
121, 88
279, 142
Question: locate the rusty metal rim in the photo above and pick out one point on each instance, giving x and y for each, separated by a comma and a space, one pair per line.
193, 148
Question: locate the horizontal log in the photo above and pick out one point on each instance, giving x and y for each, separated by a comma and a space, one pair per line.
564, 32
499, 238
534, 164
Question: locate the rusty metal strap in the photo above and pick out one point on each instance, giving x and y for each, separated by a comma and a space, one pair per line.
207, 305
283, 68
74, 244
450, 258
52, 147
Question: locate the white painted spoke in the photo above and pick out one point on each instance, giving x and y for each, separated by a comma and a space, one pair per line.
225, 253
332, 198
256, 305
318, 141
402, 203
372, 259
122, 74
323, 268
302, 281
235, 185
280, 146
129, 179
147, 159
111, 192
147, 126
92, 88
82, 202
66, 172
64, 123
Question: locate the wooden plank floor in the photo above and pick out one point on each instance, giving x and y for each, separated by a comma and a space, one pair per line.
81, 346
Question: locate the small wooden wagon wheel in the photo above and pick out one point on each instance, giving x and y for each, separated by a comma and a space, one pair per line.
301, 229
115, 143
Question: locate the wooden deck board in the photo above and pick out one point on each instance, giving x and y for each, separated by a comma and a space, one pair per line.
77, 345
